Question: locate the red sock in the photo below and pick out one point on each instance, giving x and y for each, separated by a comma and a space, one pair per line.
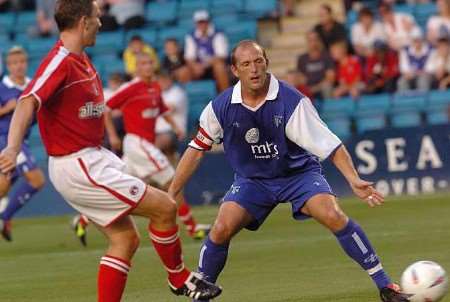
84, 221
185, 214
112, 277
168, 246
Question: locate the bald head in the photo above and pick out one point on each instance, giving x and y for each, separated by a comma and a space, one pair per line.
246, 45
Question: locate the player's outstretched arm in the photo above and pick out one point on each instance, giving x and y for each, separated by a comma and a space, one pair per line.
21, 120
186, 167
363, 189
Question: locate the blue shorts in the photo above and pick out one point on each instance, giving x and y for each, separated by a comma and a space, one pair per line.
25, 160
260, 196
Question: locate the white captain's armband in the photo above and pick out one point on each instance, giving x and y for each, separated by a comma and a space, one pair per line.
202, 141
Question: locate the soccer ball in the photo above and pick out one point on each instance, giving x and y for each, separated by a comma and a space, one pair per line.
424, 281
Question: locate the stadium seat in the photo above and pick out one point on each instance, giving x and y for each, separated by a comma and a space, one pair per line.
195, 110
39, 47
149, 35
409, 101
342, 108
401, 118
200, 92
226, 7
108, 43
240, 31
25, 20
260, 9
176, 32
341, 126
373, 104
404, 8
423, 12
437, 97
370, 122
161, 13
437, 110
188, 7
225, 21
112, 66
7, 22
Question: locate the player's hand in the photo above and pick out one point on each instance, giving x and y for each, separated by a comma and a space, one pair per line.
8, 159
365, 190
115, 142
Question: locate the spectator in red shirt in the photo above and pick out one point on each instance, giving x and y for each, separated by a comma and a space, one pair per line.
348, 70
382, 69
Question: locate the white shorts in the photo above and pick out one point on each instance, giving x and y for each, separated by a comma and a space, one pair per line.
93, 182
145, 161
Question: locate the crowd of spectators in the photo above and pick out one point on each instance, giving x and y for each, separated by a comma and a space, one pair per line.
385, 52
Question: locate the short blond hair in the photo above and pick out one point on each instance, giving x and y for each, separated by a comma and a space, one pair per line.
16, 50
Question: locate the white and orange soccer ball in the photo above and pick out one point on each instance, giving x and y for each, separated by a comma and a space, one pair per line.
424, 281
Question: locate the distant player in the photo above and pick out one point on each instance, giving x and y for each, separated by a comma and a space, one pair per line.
273, 139
67, 95
11, 87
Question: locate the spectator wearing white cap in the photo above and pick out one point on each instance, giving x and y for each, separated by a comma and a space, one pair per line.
413, 59
206, 50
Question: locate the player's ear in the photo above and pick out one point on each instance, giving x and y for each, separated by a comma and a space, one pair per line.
234, 70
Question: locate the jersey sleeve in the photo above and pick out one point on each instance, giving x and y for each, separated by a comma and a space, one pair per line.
209, 132
119, 97
49, 81
307, 130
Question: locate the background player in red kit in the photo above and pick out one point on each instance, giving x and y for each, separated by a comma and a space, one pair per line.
67, 93
141, 104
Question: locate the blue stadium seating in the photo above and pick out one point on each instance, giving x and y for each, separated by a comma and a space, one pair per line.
108, 43
25, 20
7, 22
401, 118
404, 8
423, 12
188, 7
409, 101
225, 21
162, 12
260, 9
39, 47
149, 35
200, 92
176, 32
370, 122
340, 126
437, 110
239, 31
373, 104
225, 7
111, 67
342, 108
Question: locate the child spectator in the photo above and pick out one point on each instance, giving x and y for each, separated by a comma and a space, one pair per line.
349, 71
174, 61
381, 72
413, 59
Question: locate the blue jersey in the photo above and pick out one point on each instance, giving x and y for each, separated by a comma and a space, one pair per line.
8, 91
282, 136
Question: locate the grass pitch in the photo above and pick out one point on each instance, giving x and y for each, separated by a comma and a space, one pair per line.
284, 261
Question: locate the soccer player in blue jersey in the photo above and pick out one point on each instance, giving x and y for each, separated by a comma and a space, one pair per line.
11, 87
274, 139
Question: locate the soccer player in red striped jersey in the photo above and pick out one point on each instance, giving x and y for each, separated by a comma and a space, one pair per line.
67, 94
141, 104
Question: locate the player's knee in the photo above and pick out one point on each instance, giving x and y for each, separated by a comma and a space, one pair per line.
128, 242
168, 212
335, 219
36, 179
221, 233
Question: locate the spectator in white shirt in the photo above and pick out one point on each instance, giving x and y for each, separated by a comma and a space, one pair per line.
413, 60
438, 64
397, 26
439, 25
365, 32
175, 99
206, 51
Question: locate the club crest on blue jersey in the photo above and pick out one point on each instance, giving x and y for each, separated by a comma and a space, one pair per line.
277, 120
252, 136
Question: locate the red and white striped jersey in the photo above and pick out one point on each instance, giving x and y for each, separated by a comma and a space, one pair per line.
141, 104
70, 94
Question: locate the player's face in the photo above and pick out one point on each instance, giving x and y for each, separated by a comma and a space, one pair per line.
251, 67
91, 26
144, 67
17, 65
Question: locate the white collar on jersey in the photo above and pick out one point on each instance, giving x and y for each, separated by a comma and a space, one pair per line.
274, 86
10, 84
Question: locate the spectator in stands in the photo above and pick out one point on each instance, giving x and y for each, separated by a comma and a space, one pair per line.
397, 26
46, 25
174, 61
438, 64
412, 64
206, 51
135, 47
298, 80
5, 5
439, 25
381, 72
328, 28
176, 100
365, 32
128, 13
349, 71
317, 68
115, 80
